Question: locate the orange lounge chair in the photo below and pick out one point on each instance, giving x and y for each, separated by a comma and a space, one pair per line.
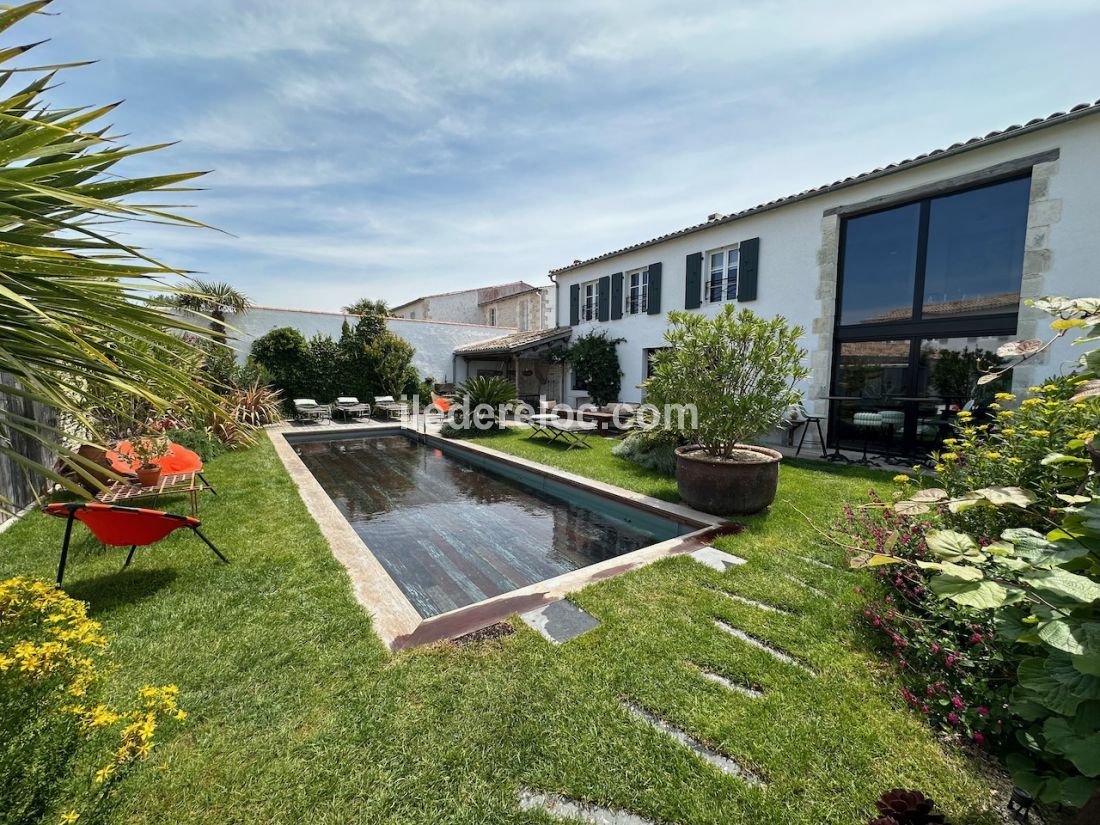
179, 460
118, 526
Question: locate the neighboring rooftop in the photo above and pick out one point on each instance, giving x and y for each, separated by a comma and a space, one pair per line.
484, 293
717, 219
517, 342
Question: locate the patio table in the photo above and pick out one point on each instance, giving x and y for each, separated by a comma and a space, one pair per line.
575, 433
124, 492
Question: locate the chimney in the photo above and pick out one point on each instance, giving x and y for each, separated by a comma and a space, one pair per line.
715, 216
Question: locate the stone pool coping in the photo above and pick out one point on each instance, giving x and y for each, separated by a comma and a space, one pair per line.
394, 619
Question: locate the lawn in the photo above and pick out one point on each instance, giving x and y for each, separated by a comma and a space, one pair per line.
297, 714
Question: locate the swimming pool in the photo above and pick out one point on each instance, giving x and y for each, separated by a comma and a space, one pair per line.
453, 528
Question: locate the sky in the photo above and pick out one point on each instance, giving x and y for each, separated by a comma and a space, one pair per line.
366, 148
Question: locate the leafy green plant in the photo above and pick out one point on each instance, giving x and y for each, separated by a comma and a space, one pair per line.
738, 369
199, 441
284, 354
211, 301
1043, 588
594, 359
71, 290
653, 449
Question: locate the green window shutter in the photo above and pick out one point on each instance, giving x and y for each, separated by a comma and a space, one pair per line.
693, 282
604, 292
574, 305
654, 302
616, 296
747, 269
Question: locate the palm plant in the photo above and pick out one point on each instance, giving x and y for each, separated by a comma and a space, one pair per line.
76, 319
368, 306
212, 299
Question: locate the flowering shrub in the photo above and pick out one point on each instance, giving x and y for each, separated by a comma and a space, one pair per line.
50, 665
1040, 445
947, 660
1040, 589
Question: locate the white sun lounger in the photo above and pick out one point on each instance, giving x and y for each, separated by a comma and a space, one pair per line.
574, 433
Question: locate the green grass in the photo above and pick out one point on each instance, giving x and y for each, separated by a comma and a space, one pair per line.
297, 714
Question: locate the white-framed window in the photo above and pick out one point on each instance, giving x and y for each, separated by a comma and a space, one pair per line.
636, 294
720, 278
492, 316
412, 315
590, 301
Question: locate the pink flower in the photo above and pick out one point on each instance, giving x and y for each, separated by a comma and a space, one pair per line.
978, 738
935, 648
957, 702
930, 691
953, 718
983, 711
976, 639
924, 708
950, 661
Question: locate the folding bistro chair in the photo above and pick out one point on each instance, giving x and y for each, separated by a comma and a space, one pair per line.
118, 526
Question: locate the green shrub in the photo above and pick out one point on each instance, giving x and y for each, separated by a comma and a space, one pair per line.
284, 353
200, 441
1039, 445
594, 359
1040, 588
652, 449
738, 369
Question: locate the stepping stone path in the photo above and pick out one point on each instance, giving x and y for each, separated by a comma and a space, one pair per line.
769, 608
814, 562
560, 621
716, 559
736, 687
718, 760
804, 585
737, 633
560, 807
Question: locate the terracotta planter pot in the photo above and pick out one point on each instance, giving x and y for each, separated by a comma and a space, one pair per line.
148, 475
727, 488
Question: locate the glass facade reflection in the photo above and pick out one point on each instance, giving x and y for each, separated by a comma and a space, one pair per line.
928, 291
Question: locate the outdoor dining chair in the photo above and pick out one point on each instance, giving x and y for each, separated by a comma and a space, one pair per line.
118, 526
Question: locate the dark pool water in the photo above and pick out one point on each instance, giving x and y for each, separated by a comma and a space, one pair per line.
450, 533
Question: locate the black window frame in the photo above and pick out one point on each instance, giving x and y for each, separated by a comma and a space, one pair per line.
917, 327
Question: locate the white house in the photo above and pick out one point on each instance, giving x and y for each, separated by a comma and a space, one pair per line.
516, 305
898, 275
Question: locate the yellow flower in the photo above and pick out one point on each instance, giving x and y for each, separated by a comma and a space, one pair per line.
902, 479
1049, 387
1005, 414
1031, 402
104, 773
992, 455
70, 817
916, 468
1034, 389
1004, 396
1040, 433
951, 441
940, 468
965, 414
1014, 460
949, 457
1008, 431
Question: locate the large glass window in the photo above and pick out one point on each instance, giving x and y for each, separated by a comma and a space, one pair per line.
880, 265
975, 252
955, 255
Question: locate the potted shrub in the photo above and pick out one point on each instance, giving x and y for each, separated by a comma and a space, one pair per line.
739, 371
145, 451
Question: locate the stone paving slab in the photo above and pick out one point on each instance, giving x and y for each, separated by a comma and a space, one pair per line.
716, 559
560, 807
728, 684
748, 639
712, 757
560, 621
